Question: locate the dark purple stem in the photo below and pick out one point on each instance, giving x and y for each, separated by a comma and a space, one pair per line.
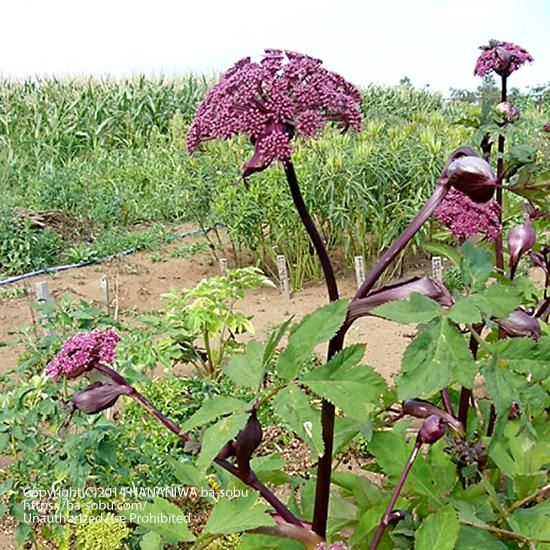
500, 172
324, 467
398, 245
447, 405
250, 479
384, 522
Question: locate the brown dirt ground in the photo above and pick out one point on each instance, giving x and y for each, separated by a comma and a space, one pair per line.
137, 281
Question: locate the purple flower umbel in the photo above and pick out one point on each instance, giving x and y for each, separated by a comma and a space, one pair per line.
83, 352
502, 57
465, 217
285, 93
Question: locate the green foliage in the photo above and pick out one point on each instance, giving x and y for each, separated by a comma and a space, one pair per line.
107, 534
24, 248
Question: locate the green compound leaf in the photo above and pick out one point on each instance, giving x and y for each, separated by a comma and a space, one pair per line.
213, 408
237, 515
217, 436
417, 309
465, 311
355, 389
525, 355
315, 328
439, 530
293, 407
498, 300
151, 541
473, 538
438, 356
476, 265
247, 369
164, 518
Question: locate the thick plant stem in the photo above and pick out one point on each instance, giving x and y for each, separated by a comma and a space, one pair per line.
312, 231
324, 467
385, 518
447, 405
500, 174
251, 480
399, 244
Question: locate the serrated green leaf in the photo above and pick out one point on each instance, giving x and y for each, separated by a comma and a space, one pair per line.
274, 340
473, 538
247, 369
164, 518
438, 356
187, 474
315, 328
292, 405
417, 309
476, 265
439, 530
151, 541
534, 522
213, 408
216, 436
525, 355
237, 515
465, 311
355, 389
498, 300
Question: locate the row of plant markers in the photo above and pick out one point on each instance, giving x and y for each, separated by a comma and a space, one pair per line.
481, 481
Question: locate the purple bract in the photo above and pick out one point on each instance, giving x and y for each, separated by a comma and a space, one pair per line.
83, 352
502, 57
285, 93
465, 217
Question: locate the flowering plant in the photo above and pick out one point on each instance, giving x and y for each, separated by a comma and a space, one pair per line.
488, 331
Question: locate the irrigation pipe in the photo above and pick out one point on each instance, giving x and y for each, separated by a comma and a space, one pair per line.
57, 269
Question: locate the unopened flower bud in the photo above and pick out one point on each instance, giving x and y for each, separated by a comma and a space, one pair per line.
247, 442
521, 239
546, 127
473, 176
502, 60
98, 396
515, 411
396, 516
400, 290
519, 324
432, 430
424, 409
508, 112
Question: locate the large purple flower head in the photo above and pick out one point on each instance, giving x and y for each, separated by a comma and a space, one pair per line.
269, 101
502, 57
83, 352
464, 217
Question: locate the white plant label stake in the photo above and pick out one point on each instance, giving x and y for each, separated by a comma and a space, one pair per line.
104, 285
437, 268
283, 275
359, 270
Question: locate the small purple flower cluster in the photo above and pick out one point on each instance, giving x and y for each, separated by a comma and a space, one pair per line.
465, 217
502, 57
83, 352
286, 92
333, 546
